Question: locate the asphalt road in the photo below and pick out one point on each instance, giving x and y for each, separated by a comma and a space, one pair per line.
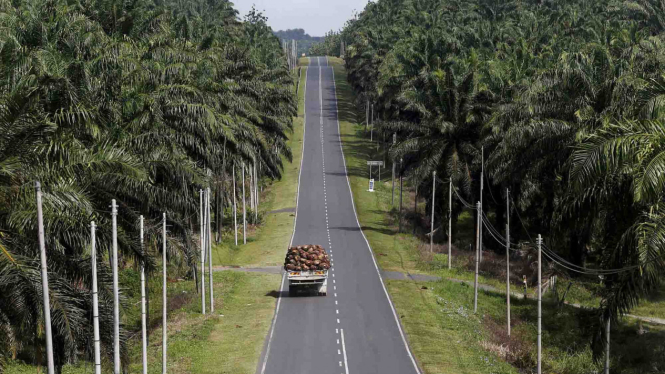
354, 329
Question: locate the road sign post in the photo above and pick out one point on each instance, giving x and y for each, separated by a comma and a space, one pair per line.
371, 181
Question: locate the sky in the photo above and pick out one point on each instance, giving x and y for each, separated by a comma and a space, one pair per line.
316, 17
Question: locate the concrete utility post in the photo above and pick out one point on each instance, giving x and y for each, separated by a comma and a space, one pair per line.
45, 289
371, 126
203, 256
116, 299
144, 327
95, 300
392, 201
235, 208
400, 195
366, 114
209, 248
431, 234
450, 223
244, 211
475, 282
540, 306
164, 303
250, 169
508, 259
482, 183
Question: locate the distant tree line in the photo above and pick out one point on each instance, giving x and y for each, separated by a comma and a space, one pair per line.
305, 41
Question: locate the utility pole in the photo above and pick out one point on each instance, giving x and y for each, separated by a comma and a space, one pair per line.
431, 233
164, 333
482, 184
508, 259
450, 222
475, 283
371, 126
392, 202
250, 169
203, 256
45, 288
400, 196
144, 328
366, 113
209, 236
235, 208
116, 299
95, 302
244, 211
540, 300
256, 193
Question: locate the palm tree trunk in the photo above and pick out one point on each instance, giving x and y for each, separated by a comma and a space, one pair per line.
415, 211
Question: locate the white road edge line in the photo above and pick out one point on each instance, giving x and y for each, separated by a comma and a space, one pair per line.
295, 218
272, 328
369, 248
346, 362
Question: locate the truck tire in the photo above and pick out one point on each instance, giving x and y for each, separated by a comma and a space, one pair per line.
292, 292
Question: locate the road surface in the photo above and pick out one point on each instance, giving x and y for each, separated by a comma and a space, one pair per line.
354, 329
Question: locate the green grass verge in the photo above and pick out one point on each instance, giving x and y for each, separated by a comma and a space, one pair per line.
444, 336
225, 342
267, 244
448, 338
195, 341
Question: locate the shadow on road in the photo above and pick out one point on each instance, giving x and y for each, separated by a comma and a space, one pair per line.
277, 294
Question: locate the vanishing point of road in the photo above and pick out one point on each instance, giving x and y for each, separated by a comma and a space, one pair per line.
354, 329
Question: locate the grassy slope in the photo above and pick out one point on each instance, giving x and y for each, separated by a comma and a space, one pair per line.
444, 336
267, 244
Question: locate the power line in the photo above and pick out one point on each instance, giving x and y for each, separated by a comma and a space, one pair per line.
550, 254
520, 218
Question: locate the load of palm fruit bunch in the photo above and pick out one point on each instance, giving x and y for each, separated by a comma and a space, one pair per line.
307, 257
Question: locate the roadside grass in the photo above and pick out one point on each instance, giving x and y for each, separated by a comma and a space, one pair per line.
654, 305
445, 335
442, 339
224, 342
266, 244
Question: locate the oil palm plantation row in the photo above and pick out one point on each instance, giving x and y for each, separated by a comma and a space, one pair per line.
565, 97
143, 102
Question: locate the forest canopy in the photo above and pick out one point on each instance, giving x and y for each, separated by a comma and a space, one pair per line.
567, 100
145, 102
